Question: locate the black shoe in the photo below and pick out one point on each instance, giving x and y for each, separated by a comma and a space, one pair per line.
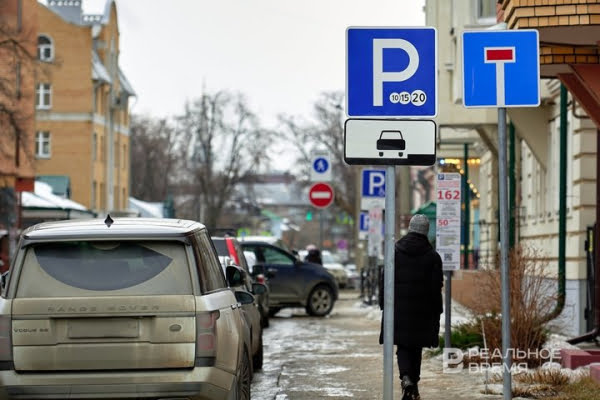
410, 389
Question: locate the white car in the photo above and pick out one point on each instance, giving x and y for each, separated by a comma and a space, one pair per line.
332, 264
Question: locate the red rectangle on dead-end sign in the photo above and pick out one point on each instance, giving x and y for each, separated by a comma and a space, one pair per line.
499, 54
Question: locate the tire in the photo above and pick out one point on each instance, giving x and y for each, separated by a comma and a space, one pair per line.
257, 359
273, 311
265, 321
244, 378
320, 301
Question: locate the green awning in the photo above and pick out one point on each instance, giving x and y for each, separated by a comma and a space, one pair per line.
61, 184
428, 209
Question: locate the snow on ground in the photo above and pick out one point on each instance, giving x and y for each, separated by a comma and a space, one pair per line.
458, 314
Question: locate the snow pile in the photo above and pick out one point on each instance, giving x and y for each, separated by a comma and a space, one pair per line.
42, 197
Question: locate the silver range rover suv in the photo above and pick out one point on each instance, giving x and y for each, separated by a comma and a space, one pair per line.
130, 308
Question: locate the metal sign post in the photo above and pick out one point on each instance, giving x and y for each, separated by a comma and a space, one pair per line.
502, 69
372, 90
504, 268
388, 302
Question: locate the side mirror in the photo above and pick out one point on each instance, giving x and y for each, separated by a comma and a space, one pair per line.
259, 288
244, 297
234, 276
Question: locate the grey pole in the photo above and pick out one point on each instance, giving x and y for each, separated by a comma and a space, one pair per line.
504, 267
388, 301
320, 230
448, 310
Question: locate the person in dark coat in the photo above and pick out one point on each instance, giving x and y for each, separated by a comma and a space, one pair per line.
418, 282
313, 255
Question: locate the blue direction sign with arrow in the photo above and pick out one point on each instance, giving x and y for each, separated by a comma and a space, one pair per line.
391, 72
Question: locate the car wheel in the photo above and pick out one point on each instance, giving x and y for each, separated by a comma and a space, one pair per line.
320, 301
244, 379
257, 359
265, 321
273, 311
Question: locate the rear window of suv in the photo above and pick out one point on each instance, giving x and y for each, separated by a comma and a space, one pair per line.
104, 268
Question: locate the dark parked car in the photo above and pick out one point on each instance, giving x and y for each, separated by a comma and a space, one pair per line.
293, 283
229, 248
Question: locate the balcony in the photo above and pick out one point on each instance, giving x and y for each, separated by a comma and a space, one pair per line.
569, 30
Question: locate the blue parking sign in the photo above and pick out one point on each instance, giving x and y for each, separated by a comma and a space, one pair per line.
391, 72
373, 183
501, 68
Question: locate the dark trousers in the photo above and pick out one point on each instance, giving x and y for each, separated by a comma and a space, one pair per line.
409, 362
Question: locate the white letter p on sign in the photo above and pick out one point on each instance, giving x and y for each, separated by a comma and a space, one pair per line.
379, 76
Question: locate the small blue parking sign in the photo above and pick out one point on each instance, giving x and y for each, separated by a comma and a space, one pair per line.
501, 68
391, 72
373, 183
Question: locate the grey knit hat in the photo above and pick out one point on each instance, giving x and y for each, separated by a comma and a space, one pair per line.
419, 224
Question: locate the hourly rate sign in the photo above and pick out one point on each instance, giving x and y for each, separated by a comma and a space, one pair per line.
447, 236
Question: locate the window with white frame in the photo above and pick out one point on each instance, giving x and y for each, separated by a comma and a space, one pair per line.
42, 144
45, 48
486, 12
43, 96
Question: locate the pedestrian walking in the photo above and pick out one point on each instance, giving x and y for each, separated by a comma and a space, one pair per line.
418, 282
313, 255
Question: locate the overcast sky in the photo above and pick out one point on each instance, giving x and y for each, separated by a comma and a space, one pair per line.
281, 54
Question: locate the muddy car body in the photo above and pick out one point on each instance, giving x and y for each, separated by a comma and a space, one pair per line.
129, 308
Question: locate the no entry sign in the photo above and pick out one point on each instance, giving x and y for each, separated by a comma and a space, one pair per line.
320, 195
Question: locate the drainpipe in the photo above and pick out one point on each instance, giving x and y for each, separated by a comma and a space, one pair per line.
562, 207
467, 203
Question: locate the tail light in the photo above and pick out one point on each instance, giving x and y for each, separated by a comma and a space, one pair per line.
6, 358
206, 338
260, 278
232, 252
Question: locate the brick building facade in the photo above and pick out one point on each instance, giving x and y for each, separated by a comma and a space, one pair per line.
82, 117
18, 25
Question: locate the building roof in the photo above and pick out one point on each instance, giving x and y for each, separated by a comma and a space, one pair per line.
146, 209
125, 85
61, 184
99, 72
277, 194
43, 198
71, 11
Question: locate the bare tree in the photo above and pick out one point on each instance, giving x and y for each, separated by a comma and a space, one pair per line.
17, 72
18, 62
226, 144
154, 156
325, 132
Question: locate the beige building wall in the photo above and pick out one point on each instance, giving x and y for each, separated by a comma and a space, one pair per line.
457, 124
88, 120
